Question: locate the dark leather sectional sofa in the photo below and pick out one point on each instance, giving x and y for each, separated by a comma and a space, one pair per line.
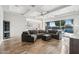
33, 35
55, 33
27, 37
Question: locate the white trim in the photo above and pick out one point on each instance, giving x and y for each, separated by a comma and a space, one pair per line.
8, 39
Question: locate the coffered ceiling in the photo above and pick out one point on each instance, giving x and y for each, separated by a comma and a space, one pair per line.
39, 10
24, 9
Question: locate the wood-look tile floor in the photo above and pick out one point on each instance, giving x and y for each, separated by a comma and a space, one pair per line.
15, 46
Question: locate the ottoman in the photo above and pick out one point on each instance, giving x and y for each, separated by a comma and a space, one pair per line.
46, 37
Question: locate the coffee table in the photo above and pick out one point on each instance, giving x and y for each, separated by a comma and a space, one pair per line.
46, 37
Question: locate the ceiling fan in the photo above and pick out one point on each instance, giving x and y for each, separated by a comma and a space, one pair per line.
47, 12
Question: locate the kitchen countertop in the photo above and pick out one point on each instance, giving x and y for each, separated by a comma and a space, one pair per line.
66, 41
70, 35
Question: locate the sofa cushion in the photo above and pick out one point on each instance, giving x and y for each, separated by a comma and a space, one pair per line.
53, 31
41, 31
26, 33
32, 31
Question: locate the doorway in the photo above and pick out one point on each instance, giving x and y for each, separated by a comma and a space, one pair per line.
6, 29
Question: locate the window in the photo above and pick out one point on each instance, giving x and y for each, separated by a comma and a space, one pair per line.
57, 23
68, 22
52, 24
66, 25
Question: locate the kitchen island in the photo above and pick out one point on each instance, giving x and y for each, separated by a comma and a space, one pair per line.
70, 43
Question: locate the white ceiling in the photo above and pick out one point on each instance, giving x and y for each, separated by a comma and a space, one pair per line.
40, 10
16, 8
25, 8
63, 11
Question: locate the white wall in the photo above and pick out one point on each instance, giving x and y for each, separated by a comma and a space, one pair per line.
35, 23
1, 24
17, 23
76, 25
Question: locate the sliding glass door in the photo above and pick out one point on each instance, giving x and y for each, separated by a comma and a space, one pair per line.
68, 26
65, 25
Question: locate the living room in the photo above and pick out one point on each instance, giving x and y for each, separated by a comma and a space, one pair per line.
38, 29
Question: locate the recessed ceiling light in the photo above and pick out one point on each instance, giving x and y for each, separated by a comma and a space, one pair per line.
33, 5
16, 5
